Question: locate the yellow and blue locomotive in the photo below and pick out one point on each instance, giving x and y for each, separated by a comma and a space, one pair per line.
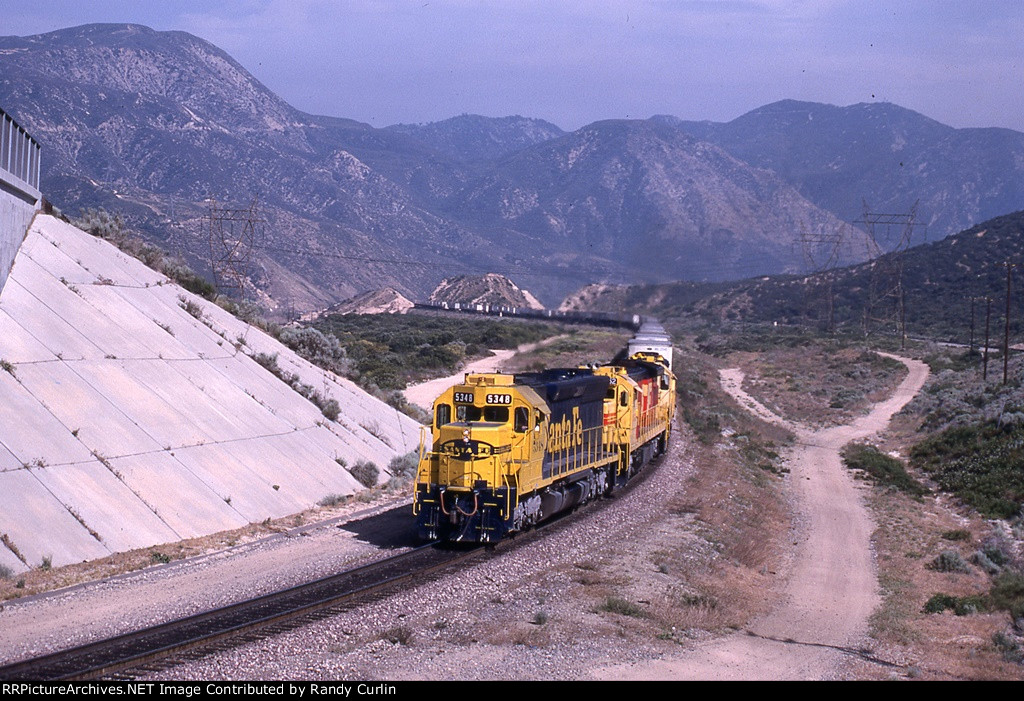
507, 451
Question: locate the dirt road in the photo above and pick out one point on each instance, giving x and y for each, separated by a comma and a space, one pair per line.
832, 586
424, 393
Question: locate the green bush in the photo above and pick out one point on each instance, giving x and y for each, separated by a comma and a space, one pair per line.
387, 351
1008, 647
1007, 593
400, 635
404, 466
949, 561
332, 500
883, 469
331, 409
622, 607
983, 561
365, 473
960, 605
980, 463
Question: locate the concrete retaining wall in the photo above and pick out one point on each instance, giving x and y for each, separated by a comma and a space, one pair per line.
133, 413
19, 189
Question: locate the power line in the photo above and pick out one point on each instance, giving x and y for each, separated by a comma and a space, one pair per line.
700, 273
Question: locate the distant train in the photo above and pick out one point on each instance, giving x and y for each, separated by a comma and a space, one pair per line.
505, 451
630, 321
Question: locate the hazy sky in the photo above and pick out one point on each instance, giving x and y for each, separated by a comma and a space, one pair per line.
572, 63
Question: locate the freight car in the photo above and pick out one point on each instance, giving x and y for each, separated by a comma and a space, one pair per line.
507, 451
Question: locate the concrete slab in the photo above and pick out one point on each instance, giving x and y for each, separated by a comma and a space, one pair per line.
30, 432
225, 395
72, 307
8, 461
11, 562
105, 505
154, 339
399, 432
55, 261
100, 424
303, 457
277, 397
216, 422
40, 526
190, 435
164, 303
352, 445
167, 417
248, 479
189, 506
94, 255
46, 326
18, 344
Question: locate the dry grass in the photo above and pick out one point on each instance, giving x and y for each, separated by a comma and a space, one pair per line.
817, 384
911, 534
40, 580
577, 347
527, 633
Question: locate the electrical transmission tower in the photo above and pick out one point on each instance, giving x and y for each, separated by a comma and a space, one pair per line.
886, 303
821, 255
233, 235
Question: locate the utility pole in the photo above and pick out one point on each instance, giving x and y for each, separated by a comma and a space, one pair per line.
988, 316
821, 256
1006, 332
886, 303
971, 352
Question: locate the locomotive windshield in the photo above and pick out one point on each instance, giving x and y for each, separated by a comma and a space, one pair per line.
493, 414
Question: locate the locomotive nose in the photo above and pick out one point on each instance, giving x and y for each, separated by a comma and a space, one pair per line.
472, 454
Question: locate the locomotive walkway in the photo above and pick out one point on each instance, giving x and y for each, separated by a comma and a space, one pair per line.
832, 587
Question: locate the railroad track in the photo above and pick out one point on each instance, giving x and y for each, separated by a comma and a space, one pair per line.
164, 644
236, 622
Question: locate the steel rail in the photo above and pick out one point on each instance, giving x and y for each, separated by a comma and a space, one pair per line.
106, 657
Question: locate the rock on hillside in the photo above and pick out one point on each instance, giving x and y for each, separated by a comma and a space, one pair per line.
484, 289
385, 301
133, 413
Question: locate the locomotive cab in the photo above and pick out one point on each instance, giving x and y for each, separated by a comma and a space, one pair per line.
484, 432
506, 451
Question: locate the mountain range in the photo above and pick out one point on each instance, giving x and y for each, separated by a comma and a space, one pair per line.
943, 283
157, 125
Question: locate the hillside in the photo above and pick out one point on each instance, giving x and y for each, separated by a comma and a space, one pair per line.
470, 137
151, 124
483, 289
384, 301
135, 413
884, 154
939, 279
644, 201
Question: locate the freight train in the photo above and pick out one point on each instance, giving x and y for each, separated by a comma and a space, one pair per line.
506, 451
